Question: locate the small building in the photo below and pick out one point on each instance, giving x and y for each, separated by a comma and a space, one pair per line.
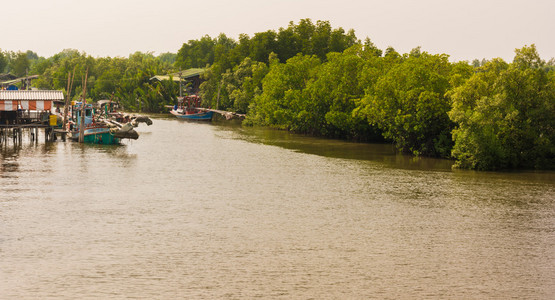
17, 107
8, 81
191, 79
6, 77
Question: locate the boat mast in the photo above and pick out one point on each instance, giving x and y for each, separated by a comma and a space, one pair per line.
66, 107
82, 125
180, 88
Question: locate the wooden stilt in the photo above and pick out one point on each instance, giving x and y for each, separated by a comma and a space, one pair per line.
82, 125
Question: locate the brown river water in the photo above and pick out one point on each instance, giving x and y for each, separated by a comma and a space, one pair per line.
215, 211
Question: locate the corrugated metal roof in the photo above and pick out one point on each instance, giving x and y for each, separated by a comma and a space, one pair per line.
165, 77
190, 73
32, 95
185, 74
19, 79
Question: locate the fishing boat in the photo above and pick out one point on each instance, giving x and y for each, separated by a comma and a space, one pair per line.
99, 131
195, 116
97, 134
108, 111
188, 108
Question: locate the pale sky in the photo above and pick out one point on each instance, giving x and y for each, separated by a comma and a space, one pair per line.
465, 30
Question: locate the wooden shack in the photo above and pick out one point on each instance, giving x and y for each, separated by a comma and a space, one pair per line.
190, 79
24, 107
10, 82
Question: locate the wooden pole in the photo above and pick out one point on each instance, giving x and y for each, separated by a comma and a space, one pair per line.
82, 125
66, 107
64, 121
180, 88
218, 98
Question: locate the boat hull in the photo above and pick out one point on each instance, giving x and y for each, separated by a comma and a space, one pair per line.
98, 136
201, 116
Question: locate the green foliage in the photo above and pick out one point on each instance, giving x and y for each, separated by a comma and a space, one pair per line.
304, 38
504, 115
167, 58
126, 80
243, 84
307, 96
370, 48
196, 53
335, 95
311, 78
261, 45
3, 61
231, 84
20, 64
235, 78
283, 102
137, 92
409, 104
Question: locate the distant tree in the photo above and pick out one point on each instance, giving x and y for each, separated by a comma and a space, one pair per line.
416, 52
391, 51
504, 115
335, 95
40, 66
196, 53
305, 31
288, 43
262, 44
167, 57
550, 66
244, 83
369, 47
107, 83
284, 100
222, 52
460, 72
3, 61
320, 41
20, 65
66, 54
32, 55
340, 41
409, 104
242, 49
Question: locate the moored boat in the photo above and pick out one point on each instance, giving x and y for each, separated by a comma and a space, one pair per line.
97, 131
97, 134
188, 108
196, 116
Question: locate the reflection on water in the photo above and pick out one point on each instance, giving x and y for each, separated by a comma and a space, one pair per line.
384, 153
215, 211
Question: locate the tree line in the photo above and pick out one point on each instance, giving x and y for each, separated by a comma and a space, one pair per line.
311, 78
127, 80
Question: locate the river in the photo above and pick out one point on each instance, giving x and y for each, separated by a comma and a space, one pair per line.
216, 211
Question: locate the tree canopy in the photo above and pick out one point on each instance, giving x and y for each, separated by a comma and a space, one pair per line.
315, 79
505, 115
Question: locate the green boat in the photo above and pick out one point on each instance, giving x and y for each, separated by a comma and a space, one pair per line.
104, 131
